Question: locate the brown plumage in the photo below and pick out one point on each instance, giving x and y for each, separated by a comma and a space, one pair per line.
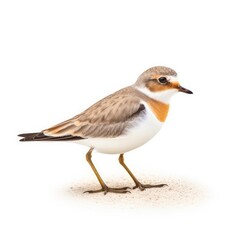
107, 118
111, 116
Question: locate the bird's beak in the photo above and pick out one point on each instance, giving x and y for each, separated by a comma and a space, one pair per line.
182, 89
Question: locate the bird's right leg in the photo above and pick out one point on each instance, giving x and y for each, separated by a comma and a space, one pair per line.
137, 183
104, 188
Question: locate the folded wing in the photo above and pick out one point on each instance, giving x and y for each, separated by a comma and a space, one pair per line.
108, 118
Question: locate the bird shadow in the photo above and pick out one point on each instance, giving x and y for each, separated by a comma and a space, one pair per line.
178, 193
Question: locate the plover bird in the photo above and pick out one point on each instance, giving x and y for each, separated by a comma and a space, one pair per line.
120, 122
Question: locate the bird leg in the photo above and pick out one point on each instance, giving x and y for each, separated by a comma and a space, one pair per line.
104, 188
138, 184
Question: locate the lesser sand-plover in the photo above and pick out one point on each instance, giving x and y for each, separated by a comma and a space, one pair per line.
120, 122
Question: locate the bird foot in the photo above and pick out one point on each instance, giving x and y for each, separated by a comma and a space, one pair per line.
142, 187
106, 190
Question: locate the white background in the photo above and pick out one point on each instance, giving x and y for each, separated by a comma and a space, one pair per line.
59, 57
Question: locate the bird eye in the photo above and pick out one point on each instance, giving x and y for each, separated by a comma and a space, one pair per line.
162, 80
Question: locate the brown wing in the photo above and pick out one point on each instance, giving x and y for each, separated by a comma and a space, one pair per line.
107, 118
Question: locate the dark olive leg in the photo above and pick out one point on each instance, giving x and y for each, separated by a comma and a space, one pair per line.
104, 188
138, 184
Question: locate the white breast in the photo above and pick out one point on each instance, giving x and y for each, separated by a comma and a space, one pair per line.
139, 133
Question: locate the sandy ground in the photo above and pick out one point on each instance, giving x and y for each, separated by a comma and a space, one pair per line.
178, 193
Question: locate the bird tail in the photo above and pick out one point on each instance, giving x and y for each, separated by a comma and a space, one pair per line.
40, 136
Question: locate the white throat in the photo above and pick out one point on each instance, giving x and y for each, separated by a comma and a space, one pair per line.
163, 96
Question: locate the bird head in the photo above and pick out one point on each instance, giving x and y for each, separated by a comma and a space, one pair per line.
160, 83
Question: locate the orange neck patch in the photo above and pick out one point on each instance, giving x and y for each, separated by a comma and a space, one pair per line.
159, 109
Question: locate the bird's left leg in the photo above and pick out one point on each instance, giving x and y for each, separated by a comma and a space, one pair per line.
138, 184
104, 187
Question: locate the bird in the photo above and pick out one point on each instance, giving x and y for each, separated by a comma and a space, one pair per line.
120, 122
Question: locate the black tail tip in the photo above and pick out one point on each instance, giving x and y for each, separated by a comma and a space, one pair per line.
26, 136
22, 137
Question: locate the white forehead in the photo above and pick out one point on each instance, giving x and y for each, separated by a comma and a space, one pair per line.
172, 78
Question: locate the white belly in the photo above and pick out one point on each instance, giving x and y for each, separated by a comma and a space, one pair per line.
136, 136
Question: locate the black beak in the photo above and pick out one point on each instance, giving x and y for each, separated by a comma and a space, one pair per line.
182, 89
